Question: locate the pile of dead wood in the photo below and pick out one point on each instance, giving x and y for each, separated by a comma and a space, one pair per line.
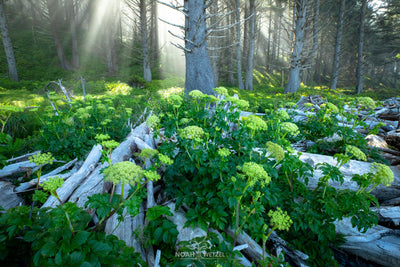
380, 244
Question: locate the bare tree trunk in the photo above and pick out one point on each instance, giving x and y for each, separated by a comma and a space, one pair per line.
231, 78
71, 15
199, 74
8, 48
338, 43
214, 42
154, 33
145, 41
111, 49
295, 64
246, 34
239, 47
270, 59
359, 73
252, 43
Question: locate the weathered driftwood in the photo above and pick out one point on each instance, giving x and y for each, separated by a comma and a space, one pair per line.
393, 138
33, 182
23, 157
76, 179
8, 199
378, 244
15, 168
391, 202
353, 167
376, 141
29, 186
388, 214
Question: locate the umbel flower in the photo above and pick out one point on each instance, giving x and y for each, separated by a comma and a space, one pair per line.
255, 123
365, 102
221, 91
280, 220
196, 94
281, 114
224, 152
254, 173
356, 152
240, 103
382, 174
175, 100
276, 151
192, 132
42, 158
124, 171
53, 184
330, 108
290, 128
153, 121
164, 159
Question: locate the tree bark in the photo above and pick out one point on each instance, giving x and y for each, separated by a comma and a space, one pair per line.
252, 43
239, 46
295, 64
199, 74
71, 16
145, 40
359, 73
336, 57
8, 48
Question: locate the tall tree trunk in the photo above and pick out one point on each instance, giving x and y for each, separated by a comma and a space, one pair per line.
154, 34
111, 42
252, 44
359, 73
239, 46
199, 74
269, 66
145, 41
294, 71
231, 78
8, 48
338, 43
246, 33
310, 59
72, 20
214, 42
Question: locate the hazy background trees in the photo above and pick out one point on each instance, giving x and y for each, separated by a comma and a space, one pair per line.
315, 42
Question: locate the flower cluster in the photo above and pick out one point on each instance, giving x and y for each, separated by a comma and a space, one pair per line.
101, 137
41, 159
224, 152
109, 144
276, 151
175, 100
309, 106
255, 123
356, 152
281, 114
290, 128
147, 153
332, 108
365, 102
192, 132
124, 171
196, 94
290, 105
254, 173
221, 91
53, 184
382, 174
240, 103
153, 121
184, 121
152, 175
164, 159
280, 220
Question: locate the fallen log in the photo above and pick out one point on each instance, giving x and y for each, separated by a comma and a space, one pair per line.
348, 170
8, 199
378, 244
76, 179
23, 157
388, 214
15, 168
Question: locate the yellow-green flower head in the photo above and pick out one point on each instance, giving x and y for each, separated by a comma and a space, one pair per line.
192, 132
102, 108
356, 152
382, 174
68, 121
128, 111
184, 121
330, 107
309, 105
164, 159
152, 175
147, 153
290, 128
281, 114
101, 137
255, 123
53, 184
280, 219
365, 102
240, 103
153, 121
290, 105
196, 94
276, 151
110, 144
224, 152
175, 100
221, 90
88, 108
124, 171
42, 158
254, 173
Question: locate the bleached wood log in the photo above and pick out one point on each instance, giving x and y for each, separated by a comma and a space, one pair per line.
140, 131
388, 214
391, 202
23, 157
15, 168
158, 257
8, 199
254, 251
378, 244
76, 179
44, 178
28, 185
348, 170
